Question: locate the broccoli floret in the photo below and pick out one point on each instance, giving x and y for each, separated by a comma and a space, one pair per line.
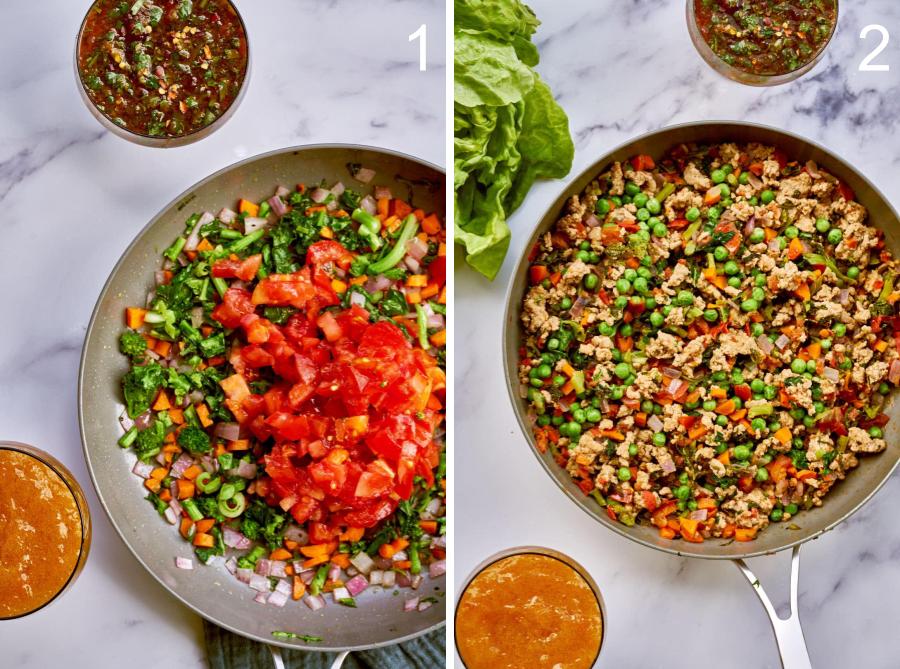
140, 386
209, 507
149, 441
193, 439
263, 522
133, 345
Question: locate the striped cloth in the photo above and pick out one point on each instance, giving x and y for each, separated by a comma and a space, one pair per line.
225, 650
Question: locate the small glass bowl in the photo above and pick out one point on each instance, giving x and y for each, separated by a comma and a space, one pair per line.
741, 76
547, 552
83, 511
153, 141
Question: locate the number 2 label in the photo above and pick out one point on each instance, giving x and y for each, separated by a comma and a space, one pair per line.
867, 65
421, 34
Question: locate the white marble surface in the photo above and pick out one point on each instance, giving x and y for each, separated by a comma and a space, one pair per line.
621, 69
73, 196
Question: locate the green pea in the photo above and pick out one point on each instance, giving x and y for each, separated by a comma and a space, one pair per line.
632, 449
749, 305
583, 256
565, 304
762, 474
653, 205
808, 421
659, 438
731, 268
682, 492
835, 236
719, 376
725, 190
692, 505
791, 232
622, 370
737, 378
692, 214
650, 302
605, 329
818, 408
825, 344
616, 355
553, 343
721, 421
536, 382
616, 392
593, 415
839, 329
574, 430
557, 420
717, 176
543, 421
757, 424
876, 432
657, 319
684, 298
643, 235
713, 213
640, 200
632, 189
734, 281
757, 385
770, 393
791, 508
754, 201
760, 280
595, 258
822, 225
766, 196
585, 246
544, 371
590, 281
559, 380
883, 388
644, 272
579, 415
810, 365
624, 474
642, 214
741, 452
711, 315
853, 272
659, 230
647, 406
758, 294
798, 366
721, 254
602, 207
626, 329
744, 179
776, 515
623, 286
616, 200
728, 168
757, 235
757, 329
640, 285
709, 405
667, 309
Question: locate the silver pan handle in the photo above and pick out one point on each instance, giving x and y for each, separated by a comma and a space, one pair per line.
279, 660
788, 633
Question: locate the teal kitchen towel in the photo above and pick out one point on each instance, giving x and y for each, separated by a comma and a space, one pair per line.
226, 650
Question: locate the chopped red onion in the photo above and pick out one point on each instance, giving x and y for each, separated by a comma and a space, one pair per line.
277, 568
142, 422
261, 598
654, 423
227, 216
376, 577
774, 245
297, 534
440, 542
412, 264
181, 464
813, 169
699, 514
764, 343
231, 565
171, 516
243, 574
305, 575
319, 195
364, 175
279, 208
382, 192
259, 582
671, 372
253, 223
388, 579
417, 248
438, 568
228, 431
411, 604
667, 465
284, 587
578, 307
340, 593
832, 374
782, 341
246, 470
358, 299
356, 585
315, 602
368, 204
894, 372
234, 539
193, 239
334, 573
435, 321
425, 604
592, 221
278, 599
184, 563
362, 562
380, 282
263, 567
416, 581
754, 180
843, 296
282, 192
159, 276
400, 556
674, 386
142, 469
431, 511
351, 571
750, 225
175, 505
338, 189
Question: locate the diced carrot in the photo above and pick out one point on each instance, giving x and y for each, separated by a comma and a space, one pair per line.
740, 414
235, 387
881, 346
315, 562
697, 432
431, 225
247, 207
162, 402
717, 392
443, 298
666, 532
280, 554
342, 560
713, 195
783, 435
803, 291
804, 474
185, 488
417, 280
187, 528
316, 550
400, 543
430, 291
298, 589
203, 414
152, 485
706, 503
177, 416
165, 495
726, 408
434, 403
134, 317
419, 214
338, 286
537, 273
326, 232
353, 534
400, 209
615, 435
795, 248
239, 445
403, 564
744, 533
390, 225
428, 526
204, 540
204, 245
414, 296
386, 551
442, 250
192, 472
382, 207
163, 348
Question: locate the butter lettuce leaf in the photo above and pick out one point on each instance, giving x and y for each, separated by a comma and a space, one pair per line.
488, 72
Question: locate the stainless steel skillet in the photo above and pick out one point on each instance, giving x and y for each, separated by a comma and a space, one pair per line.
211, 591
845, 498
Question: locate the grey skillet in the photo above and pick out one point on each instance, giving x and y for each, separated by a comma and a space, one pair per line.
211, 591
845, 498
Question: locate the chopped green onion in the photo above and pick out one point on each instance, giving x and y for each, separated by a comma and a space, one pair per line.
190, 506
422, 322
128, 438
173, 251
396, 254
234, 506
247, 240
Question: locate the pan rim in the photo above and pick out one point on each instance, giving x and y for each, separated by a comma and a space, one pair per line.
178, 200
510, 376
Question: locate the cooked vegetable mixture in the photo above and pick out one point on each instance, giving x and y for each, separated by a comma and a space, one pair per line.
285, 398
711, 340
766, 37
162, 68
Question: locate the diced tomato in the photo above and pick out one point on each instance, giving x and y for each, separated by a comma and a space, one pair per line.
643, 162
437, 270
330, 327
236, 303
245, 270
743, 391
537, 273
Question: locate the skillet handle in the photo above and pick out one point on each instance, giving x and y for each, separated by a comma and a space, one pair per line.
279, 661
788, 633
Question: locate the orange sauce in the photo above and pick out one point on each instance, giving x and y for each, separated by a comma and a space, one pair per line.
528, 611
40, 533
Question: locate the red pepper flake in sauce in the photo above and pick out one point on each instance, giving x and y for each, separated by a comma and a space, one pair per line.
162, 68
766, 37
40, 533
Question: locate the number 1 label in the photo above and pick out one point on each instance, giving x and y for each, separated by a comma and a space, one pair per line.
422, 35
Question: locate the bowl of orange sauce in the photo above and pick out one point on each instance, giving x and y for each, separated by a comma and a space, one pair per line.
529, 608
45, 529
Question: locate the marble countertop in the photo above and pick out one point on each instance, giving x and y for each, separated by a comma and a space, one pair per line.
73, 196
621, 69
